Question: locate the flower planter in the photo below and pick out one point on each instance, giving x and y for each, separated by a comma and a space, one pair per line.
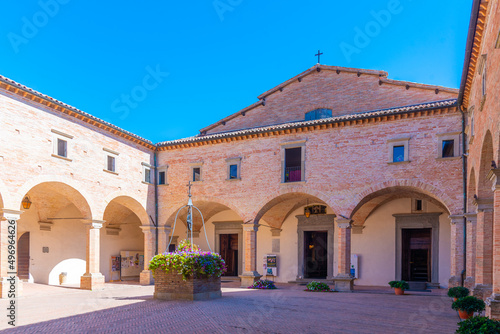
399, 291
171, 286
464, 315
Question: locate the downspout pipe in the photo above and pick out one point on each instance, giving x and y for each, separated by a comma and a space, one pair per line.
464, 178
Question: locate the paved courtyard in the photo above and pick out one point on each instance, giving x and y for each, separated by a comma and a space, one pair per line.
130, 308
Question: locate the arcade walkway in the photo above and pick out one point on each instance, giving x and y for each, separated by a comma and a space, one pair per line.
129, 308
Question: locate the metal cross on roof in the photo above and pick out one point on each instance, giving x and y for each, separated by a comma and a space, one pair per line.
319, 55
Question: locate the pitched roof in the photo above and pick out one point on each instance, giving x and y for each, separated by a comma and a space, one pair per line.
19, 89
317, 68
291, 125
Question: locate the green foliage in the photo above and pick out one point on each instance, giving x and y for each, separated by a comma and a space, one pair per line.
469, 304
458, 292
263, 284
189, 262
399, 284
318, 286
479, 325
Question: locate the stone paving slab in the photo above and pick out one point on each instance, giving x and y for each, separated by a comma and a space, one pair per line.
127, 308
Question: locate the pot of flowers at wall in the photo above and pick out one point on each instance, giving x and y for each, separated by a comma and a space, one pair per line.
187, 274
458, 292
399, 287
466, 306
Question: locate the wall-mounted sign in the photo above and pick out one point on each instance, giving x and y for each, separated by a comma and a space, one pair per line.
271, 265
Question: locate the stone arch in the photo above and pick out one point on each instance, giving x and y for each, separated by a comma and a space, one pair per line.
374, 197
483, 184
471, 190
5, 197
46, 195
276, 210
272, 199
129, 202
86, 200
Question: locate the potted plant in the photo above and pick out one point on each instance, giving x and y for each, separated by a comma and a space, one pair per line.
479, 325
187, 273
399, 287
466, 306
458, 292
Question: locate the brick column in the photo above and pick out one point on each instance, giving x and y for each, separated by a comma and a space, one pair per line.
9, 281
146, 277
163, 238
250, 273
471, 250
344, 280
93, 279
457, 250
493, 302
484, 249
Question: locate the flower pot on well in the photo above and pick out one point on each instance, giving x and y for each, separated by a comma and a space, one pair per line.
464, 315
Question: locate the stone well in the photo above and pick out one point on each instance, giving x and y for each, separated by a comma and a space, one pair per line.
171, 286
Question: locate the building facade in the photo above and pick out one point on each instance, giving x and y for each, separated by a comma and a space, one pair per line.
343, 174
479, 100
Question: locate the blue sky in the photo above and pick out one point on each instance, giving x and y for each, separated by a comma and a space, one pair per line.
165, 69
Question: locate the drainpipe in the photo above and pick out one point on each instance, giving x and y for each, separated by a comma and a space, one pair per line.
464, 177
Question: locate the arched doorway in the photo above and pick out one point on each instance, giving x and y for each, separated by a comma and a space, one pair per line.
402, 232
23, 260
300, 229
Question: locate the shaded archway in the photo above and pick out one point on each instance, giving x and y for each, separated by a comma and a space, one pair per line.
484, 190
56, 225
123, 238
406, 228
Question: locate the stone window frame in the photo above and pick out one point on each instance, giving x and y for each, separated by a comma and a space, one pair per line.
110, 153
455, 136
233, 161
391, 143
146, 166
59, 135
481, 70
471, 128
230, 227
415, 221
191, 167
164, 169
294, 144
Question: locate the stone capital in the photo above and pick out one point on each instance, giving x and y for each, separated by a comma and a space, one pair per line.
343, 222
11, 214
94, 224
471, 217
494, 176
164, 229
456, 219
251, 227
147, 228
276, 232
484, 204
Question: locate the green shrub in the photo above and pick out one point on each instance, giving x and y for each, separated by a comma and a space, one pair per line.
469, 304
458, 292
318, 286
479, 325
399, 284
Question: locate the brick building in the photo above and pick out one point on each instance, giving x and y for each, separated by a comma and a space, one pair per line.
332, 170
480, 102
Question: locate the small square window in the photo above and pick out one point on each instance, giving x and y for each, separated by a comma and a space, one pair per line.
162, 177
111, 163
483, 81
196, 174
448, 147
233, 171
62, 148
398, 153
418, 205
